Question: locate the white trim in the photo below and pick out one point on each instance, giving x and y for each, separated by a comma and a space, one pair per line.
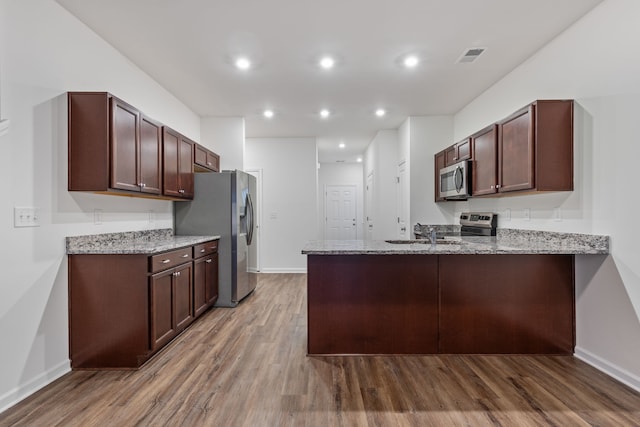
284, 270
608, 368
23, 391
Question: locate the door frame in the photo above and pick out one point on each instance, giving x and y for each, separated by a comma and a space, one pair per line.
258, 218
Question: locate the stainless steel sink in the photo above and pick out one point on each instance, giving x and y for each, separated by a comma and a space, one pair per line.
424, 242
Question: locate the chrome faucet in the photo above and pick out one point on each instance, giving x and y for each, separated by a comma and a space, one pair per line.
432, 235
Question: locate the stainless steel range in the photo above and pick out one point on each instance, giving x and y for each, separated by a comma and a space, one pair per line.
478, 224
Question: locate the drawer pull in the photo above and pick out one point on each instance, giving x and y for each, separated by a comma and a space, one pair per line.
202, 250
208, 261
213, 247
185, 256
166, 261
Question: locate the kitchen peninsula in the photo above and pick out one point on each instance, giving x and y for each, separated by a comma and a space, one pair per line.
508, 294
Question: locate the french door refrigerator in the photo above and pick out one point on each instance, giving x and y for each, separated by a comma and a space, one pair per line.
223, 206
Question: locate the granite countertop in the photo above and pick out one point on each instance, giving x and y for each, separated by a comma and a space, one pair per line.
507, 241
147, 242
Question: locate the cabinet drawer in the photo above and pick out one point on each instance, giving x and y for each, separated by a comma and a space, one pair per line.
205, 248
170, 259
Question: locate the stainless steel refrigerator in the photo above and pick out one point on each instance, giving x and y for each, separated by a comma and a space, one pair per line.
223, 205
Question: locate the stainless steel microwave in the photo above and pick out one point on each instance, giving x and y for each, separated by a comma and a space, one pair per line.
455, 181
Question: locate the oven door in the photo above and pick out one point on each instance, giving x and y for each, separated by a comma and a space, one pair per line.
454, 181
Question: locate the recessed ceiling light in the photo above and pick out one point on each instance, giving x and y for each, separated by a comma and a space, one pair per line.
410, 61
268, 113
324, 113
380, 112
243, 63
327, 62
359, 160
341, 145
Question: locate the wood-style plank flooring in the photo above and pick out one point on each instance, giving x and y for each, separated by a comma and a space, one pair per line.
248, 367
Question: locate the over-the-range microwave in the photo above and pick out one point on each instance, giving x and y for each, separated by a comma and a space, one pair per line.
455, 181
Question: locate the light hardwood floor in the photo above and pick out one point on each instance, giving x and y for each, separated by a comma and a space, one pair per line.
248, 367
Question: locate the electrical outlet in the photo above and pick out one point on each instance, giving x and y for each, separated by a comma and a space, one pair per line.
557, 214
526, 214
26, 217
506, 215
152, 217
97, 216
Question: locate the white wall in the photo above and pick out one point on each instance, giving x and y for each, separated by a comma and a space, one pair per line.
46, 52
289, 195
428, 135
341, 174
225, 136
381, 158
594, 62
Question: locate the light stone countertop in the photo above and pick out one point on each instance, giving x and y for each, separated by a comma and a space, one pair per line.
147, 242
508, 241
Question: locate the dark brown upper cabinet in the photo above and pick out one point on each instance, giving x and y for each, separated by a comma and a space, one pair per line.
205, 160
177, 164
484, 146
529, 151
457, 152
535, 148
112, 146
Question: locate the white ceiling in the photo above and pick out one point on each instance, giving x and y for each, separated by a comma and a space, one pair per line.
189, 47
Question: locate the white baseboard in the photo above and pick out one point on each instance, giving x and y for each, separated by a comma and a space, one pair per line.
608, 368
25, 390
284, 270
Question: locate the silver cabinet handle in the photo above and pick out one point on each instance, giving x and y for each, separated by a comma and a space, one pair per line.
176, 274
209, 163
181, 191
498, 186
208, 261
185, 256
202, 250
166, 261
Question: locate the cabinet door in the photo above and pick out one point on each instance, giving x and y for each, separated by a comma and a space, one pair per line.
485, 158
162, 323
450, 155
150, 158
185, 168
170, 180
516, 152
439, 161
211, 263
124, 149
213, 161
200, 303
183, 296
463, 150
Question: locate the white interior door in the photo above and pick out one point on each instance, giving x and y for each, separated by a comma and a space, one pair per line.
403, 202
369, 207
340, 212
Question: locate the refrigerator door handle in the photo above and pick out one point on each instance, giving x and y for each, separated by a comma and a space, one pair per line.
249, 207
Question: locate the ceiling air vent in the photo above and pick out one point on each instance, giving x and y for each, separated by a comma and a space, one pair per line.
470, 55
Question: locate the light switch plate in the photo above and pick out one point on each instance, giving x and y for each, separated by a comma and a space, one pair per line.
506, 215
26, 217
557, 214
526, 214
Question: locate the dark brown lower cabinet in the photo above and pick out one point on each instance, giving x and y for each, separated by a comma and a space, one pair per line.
124, 308
171, 304
427, 304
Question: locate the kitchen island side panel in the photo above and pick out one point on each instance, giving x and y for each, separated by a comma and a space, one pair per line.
507, 304
371, 304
